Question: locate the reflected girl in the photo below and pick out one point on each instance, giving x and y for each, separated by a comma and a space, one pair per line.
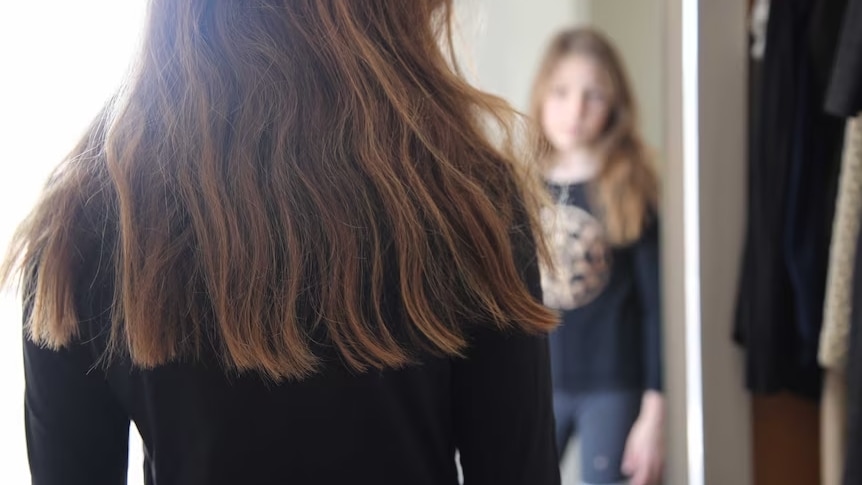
603, 233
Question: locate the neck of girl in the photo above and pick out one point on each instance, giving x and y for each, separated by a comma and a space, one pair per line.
575, 166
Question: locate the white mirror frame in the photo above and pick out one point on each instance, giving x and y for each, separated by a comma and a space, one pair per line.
709, 419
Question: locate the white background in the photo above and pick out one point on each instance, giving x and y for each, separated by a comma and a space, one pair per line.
59, 61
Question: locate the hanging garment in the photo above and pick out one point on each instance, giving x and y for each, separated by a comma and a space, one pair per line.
834, 338
757, 28
818, 143
763, 318
836, 314
845, 90
853, 450
794, 161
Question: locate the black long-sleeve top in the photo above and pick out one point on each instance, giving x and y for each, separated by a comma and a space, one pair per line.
202, 426
610, 336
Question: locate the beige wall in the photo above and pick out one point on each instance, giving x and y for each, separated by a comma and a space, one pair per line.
723, 154
505, 40
637, 28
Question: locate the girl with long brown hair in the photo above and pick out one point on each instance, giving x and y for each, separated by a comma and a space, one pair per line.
288, 251
603, 233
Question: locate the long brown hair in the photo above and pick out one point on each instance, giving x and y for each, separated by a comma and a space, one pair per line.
626, 188
280, 172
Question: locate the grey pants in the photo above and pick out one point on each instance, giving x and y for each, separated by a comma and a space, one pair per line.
602, 421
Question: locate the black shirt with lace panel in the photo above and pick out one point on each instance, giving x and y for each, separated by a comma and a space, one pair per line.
609, 298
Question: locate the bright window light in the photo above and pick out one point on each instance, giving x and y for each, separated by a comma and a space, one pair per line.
60, 60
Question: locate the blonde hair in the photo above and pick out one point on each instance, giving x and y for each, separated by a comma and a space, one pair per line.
626, 189
280, 172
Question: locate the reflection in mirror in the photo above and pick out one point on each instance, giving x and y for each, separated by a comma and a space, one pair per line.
603, 229
589, 74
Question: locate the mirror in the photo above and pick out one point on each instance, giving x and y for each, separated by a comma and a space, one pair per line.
603, 288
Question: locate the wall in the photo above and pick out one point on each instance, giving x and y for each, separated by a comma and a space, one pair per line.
505, 40
722, 71
673, 251
636, 27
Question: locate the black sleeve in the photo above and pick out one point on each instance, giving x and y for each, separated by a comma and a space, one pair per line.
77, 430
844, 96
647, 269
504, 422
77, 433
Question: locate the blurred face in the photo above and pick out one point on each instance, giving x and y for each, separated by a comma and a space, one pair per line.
577, 105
